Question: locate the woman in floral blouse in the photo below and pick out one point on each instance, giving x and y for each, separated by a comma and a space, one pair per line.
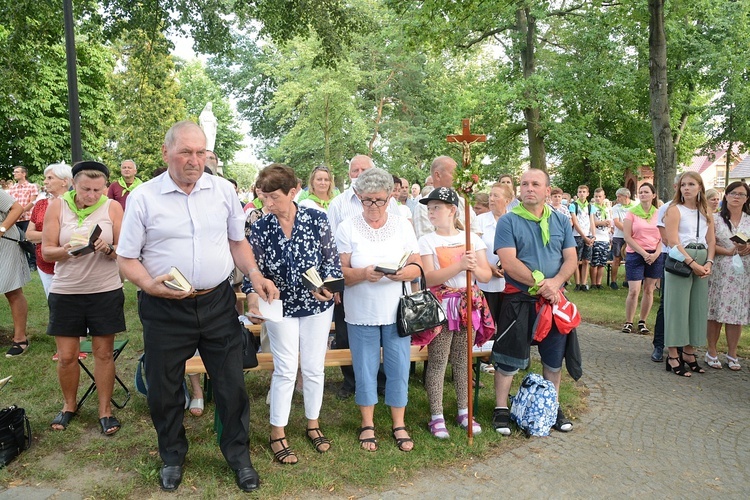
287, 242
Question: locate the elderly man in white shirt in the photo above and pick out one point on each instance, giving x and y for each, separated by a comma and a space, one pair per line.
442, 172
195, 223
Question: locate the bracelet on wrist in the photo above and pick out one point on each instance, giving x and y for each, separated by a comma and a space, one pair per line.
710, 260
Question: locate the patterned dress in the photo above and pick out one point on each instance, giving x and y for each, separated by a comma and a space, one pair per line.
729, 291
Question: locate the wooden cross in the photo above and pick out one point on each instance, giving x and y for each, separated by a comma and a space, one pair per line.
466, 139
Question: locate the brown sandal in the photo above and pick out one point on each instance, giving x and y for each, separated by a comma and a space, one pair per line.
364, 441
400, 442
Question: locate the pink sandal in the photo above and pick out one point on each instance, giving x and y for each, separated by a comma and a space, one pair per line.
438, 429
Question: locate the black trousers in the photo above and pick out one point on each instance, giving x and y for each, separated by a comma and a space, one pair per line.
172, 330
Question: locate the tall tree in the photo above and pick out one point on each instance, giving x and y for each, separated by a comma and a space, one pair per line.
144, 93
196, 89
33, 106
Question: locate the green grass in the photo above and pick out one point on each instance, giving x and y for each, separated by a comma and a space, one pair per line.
126, 465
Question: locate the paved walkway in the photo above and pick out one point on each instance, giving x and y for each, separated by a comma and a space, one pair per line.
646, 433
625, 445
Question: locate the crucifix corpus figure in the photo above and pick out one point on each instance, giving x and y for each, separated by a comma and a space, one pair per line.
466, 139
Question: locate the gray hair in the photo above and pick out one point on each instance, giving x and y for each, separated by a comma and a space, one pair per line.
624, 192
62, 171
373, 180
171, 136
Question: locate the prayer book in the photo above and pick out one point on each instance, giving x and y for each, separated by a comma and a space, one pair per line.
82, 245
312, 280
178, 282
740, 238
391, 268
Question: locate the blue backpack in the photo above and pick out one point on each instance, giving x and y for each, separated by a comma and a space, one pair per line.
534, 408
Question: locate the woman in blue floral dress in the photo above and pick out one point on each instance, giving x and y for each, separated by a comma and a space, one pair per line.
287, 242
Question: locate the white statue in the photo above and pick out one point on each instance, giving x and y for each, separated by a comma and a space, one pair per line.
208, 123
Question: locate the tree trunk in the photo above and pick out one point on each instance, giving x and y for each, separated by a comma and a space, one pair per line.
526, 26
665, 151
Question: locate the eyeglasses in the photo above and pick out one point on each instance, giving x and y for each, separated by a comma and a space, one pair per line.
378, 203
737, 195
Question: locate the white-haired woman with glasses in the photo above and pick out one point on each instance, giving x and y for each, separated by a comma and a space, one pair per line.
364, 241
320, 189
58, 178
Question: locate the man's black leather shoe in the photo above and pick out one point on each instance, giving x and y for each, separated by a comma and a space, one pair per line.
170, 477
247, 479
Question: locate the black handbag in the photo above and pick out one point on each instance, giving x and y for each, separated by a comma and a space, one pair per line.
26, 245
15, 433
419, 311
674, 266
680, 268
249, 349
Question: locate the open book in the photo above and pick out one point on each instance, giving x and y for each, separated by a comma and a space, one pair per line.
740, 238
312, 280
82, 244
178, 281
391, 268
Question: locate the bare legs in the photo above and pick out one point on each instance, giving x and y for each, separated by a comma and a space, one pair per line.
19, 310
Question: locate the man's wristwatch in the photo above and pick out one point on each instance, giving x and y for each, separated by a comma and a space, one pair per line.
2, 231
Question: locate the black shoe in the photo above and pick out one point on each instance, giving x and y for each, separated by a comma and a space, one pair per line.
584, 288
614, 286
344, 393
501, 421
170, 477
624, 284
658, 355
562, 424
247, 479
577, 288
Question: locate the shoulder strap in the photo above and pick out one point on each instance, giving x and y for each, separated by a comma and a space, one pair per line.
423, 280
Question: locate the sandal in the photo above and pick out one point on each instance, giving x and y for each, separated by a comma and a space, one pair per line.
463, 422
110, 425
63, 419
438, 429
627, 328
17, 348
196, 407
400, 442
733, 363
642, 328
712, 361
364, 441
318, 441
679, 369
284, 453
694, 366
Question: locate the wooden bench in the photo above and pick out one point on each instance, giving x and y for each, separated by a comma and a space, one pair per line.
334, 357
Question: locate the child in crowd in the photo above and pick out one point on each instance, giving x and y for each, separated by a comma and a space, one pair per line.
583, 224
602, 231
445, 260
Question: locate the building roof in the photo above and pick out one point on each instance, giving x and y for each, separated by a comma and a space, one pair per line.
742, 170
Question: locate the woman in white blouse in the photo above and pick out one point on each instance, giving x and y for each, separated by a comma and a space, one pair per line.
364, 241
500, 196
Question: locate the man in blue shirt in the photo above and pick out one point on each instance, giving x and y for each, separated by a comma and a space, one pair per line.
538, 253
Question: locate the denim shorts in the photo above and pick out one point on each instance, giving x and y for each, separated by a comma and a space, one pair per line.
584, 251
636, 268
